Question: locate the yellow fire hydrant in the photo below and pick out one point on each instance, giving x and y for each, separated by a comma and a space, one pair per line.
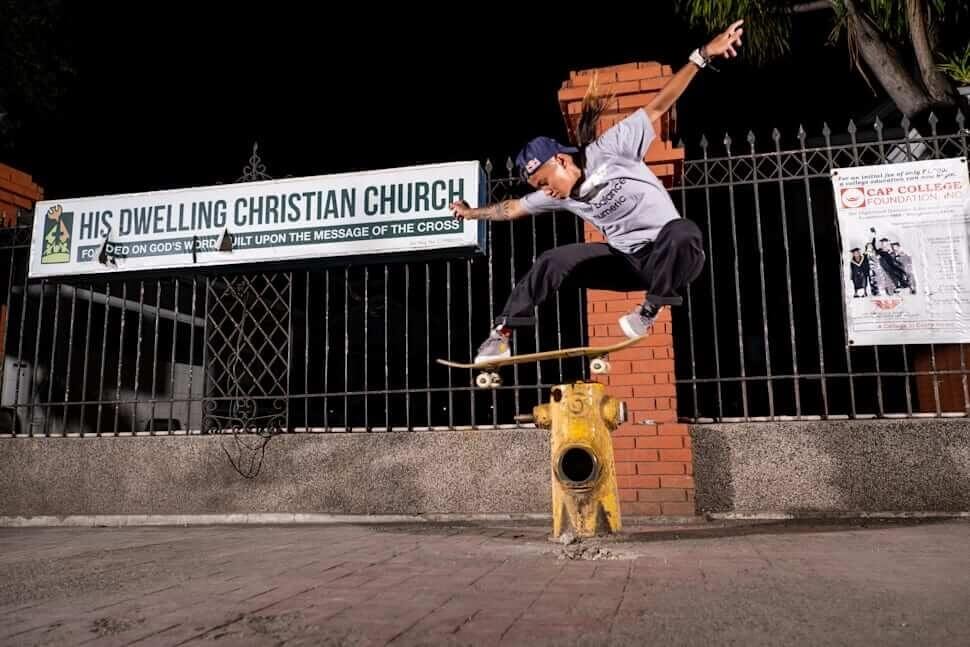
580, 417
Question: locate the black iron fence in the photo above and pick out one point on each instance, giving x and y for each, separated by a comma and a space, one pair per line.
762, 336
335, 348
353, 347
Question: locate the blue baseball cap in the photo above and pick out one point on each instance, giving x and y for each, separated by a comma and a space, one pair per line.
539, 151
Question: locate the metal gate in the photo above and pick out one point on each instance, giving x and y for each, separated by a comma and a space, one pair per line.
329, 348
762, 336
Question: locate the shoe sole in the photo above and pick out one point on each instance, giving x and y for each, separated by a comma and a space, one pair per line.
491, 358
627, 330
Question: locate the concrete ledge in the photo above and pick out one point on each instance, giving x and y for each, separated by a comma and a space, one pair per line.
819, 468
303, 476
256, 518
271, 518
814, 516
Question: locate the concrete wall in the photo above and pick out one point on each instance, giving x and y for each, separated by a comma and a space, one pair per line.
833, 466
466, 472
800, 468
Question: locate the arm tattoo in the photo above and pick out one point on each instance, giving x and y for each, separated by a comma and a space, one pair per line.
498, 211
502, 210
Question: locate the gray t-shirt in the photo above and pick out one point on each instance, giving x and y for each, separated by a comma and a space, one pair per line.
619, 195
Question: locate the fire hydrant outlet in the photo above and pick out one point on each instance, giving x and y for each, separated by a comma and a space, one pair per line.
577, 467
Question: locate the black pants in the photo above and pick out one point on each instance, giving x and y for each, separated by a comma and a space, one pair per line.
662, 268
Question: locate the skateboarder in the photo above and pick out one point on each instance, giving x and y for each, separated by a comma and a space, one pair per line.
605, 181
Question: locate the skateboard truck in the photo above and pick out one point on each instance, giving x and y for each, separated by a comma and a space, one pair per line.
599, 365
486, 380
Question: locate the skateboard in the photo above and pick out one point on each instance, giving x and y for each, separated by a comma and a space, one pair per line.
599, 364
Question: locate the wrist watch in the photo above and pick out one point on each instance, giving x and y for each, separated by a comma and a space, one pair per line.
698, 59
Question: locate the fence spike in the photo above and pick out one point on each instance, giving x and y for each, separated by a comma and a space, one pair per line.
509, 165
751, 138
488, 166
960, 119
704, 142
851, 128
877, 125
933, 120
905, 123
801, 134
776, 135
727, 142
826, 131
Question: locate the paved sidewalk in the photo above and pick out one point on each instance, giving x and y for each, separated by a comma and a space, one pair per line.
901, 583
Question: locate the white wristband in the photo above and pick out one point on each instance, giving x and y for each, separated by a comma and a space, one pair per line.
697, 59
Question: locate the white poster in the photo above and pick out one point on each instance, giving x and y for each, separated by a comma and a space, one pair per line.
352, 215
905, 252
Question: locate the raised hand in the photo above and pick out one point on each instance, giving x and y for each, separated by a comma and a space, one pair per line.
727, 43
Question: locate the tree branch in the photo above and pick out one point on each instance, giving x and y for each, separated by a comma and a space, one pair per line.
816, 5
933, 79
882, 58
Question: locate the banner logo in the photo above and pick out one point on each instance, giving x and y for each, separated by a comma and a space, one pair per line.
57, 236
853, 197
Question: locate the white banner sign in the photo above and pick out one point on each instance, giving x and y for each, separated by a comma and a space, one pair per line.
906, 259
395, 211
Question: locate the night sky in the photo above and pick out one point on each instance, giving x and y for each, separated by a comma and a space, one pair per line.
169, 97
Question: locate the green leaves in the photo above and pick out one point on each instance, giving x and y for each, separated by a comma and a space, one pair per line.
34, 66
767, 25
957, 66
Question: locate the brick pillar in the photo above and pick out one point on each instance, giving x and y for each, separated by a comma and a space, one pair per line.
653, 453
17, 189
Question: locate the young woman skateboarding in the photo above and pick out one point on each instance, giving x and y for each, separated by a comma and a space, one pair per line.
605, 181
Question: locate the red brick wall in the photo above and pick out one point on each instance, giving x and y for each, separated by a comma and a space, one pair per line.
653, 453
17, 189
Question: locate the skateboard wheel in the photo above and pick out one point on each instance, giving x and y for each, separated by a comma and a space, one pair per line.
495, 379
483, 380
599, 366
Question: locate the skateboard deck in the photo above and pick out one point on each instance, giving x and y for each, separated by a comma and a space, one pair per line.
488, 378
596, 352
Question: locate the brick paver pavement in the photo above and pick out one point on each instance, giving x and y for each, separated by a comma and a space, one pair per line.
899, 583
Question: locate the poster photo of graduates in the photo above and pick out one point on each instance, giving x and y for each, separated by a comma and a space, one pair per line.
881, 265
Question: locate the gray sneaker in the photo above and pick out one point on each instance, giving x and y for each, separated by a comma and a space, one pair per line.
638, 323
496, 346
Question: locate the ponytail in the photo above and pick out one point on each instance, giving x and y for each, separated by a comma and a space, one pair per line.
593, 107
